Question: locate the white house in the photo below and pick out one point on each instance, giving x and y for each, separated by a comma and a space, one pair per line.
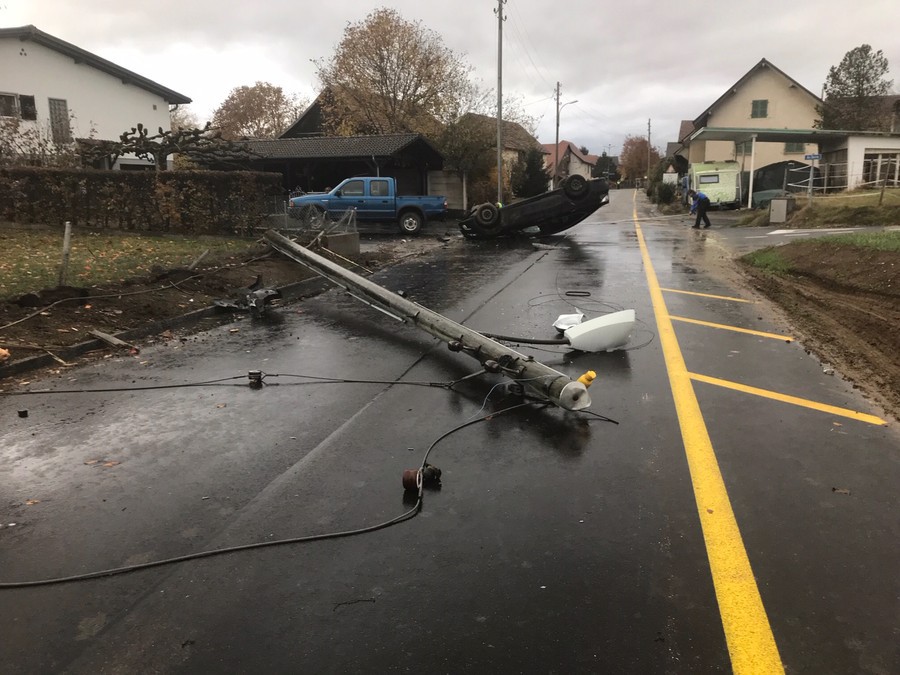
67, 93
764, 98
571, 161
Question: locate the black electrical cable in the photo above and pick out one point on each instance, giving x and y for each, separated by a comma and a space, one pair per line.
219, 382
411, 513
107, 390
529, 341
208, 554
340, 380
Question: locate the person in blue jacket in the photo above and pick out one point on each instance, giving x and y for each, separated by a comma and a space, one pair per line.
699, 205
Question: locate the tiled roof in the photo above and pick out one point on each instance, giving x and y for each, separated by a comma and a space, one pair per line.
333, 147
515, 136
566, 146
686, 129
79, 55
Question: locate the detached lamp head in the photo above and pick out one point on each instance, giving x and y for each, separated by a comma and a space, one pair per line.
603, 333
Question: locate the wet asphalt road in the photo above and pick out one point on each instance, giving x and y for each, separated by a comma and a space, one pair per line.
558, 543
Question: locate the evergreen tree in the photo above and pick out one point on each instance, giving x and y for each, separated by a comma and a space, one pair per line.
530, 177
853, 90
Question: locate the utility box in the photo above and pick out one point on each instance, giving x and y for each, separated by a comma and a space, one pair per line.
345, 244
778, 210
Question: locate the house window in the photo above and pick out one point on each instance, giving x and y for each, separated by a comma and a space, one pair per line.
27, 107
794, 148
759, 108
22, 106
59, 120
743, 148
8, 106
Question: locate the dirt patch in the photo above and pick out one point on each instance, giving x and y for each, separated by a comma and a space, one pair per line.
51, 322
845, 304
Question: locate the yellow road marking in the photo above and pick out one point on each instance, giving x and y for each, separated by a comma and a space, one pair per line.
722, 326
704, 295
751, 644
785, 398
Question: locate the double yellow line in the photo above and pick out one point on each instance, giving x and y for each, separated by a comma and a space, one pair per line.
751, 644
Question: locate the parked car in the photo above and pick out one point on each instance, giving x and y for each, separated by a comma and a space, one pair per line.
374, 199
548, 213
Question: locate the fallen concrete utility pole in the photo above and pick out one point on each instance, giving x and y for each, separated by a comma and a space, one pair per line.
539, 379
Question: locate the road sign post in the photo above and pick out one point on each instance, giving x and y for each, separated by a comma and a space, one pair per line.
812, 167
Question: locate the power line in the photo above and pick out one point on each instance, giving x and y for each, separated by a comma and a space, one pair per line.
525, 43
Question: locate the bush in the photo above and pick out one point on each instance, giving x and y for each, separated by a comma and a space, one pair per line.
183, 202
665, 193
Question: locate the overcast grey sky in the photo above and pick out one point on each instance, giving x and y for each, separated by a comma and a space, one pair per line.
624, 62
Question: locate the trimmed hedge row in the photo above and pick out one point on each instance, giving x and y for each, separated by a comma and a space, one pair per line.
182, 202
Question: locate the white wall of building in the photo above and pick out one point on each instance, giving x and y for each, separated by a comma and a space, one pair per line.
857, 159
788, 107
101, 106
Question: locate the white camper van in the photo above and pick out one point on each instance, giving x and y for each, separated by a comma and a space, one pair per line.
720, 181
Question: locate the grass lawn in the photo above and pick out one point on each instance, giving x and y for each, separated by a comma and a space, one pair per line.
853, 198
846, 209
774, 259
30, 260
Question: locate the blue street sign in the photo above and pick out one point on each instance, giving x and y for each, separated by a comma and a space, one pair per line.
816, 156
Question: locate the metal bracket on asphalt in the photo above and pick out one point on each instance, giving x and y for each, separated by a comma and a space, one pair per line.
541, 380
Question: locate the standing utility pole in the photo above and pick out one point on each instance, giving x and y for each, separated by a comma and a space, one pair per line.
648, 150
556, 160
500, 19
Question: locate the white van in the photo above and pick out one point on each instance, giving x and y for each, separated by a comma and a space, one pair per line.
720, 181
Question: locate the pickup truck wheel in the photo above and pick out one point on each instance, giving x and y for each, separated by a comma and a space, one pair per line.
487, 217
410, 222
575, 187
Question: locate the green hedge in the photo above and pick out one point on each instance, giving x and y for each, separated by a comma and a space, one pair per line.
182, 202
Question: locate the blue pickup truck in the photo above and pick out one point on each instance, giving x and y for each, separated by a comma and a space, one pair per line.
374, 199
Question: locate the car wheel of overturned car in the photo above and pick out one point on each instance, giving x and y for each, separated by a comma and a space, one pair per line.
484, 222
487, 216
575, 187
410, 222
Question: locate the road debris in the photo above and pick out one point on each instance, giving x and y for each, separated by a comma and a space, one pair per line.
255, 298
113, 341
540, 380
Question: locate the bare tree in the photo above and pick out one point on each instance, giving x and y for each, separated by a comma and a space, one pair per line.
260, 111
196, 144
634, 160
183, 117
389, 75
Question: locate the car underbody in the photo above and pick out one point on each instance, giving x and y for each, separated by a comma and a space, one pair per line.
548, 213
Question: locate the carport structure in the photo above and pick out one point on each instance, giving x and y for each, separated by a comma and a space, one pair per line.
315, 163
849, 159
